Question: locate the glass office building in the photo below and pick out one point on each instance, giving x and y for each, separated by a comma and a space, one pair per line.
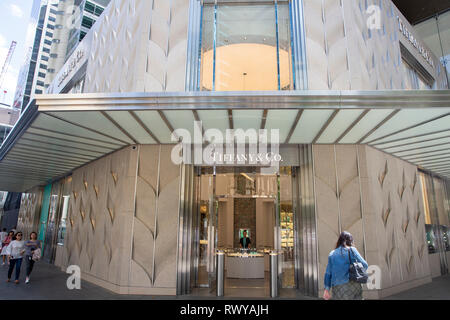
175, 126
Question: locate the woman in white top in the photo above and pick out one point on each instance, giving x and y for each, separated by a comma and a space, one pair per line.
15, 251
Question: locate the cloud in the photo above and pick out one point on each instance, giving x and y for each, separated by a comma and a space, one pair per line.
16, 11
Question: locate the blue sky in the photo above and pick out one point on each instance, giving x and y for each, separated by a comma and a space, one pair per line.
14, 19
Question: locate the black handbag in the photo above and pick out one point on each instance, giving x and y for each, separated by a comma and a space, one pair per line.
356, 271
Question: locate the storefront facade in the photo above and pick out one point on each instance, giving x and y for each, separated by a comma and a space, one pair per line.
328, 81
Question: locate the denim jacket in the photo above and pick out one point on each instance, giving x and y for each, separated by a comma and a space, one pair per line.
338, 265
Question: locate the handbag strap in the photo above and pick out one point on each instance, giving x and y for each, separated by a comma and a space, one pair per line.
349, 258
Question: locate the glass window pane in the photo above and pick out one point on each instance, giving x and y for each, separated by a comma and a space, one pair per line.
242, 49
284, 40
246, 57
207, 50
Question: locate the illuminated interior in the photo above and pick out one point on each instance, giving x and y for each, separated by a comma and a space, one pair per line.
246, 47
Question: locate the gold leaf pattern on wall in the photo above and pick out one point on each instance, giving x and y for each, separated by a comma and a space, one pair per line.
410, 258
405, 223
75, 195
386, 212
96, 189
110, 208
83, 214
383, 174
115, 177
390, 252
417, 215
421, 251
402, 188
414, 183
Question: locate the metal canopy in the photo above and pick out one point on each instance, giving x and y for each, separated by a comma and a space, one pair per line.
58, 133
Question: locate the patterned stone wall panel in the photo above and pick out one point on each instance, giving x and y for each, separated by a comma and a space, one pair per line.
349, 194
400, 226
168, 212
316, 45
144, 231
327, 209
336, 44
377, 201
441, 198
100, 217
118, 48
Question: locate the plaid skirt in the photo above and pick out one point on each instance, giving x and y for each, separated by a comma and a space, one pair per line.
348, 291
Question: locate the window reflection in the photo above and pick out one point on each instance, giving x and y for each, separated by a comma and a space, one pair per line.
246, 47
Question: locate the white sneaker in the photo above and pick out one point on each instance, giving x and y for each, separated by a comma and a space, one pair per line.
27, 280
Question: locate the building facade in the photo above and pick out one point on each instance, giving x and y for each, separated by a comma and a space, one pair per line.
123, 180
55, 26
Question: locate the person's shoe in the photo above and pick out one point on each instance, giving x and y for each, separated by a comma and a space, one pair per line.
16, 282
3, 264
27, 280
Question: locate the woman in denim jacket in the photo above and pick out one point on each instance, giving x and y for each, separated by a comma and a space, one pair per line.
337, 275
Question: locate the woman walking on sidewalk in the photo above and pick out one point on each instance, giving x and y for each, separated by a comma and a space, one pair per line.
31, 247
337, 273
5, 245
15, 251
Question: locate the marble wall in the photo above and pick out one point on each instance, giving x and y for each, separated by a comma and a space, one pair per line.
377, 198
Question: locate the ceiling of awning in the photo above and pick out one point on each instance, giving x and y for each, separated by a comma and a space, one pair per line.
63, 132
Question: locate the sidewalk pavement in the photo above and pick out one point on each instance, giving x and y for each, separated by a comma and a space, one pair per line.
49, 283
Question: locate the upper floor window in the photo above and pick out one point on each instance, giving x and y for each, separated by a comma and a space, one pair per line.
246, 46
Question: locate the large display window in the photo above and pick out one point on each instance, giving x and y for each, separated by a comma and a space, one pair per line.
246, 46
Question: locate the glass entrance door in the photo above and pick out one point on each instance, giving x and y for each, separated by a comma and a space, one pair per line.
232, 200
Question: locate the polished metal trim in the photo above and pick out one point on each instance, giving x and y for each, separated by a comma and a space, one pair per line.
354, 123
368, 134
264, 119
294, 126
70, 141
298, 44
116, 145
432, 156
142, 124
118, 126
435, 222
61, 145
307, 222
410, 127
421, 153
27, 164
220, 100
21, 146
230, 119
413, 137
325, 126
435, 160
193, 59
42, 159
166, 121
418, 148
35, 154
85, 128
